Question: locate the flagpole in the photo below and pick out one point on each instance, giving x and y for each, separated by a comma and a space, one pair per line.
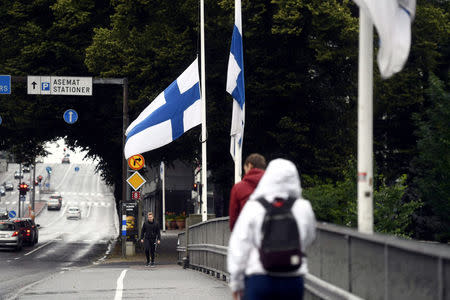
203, 95
365, 124
237, 161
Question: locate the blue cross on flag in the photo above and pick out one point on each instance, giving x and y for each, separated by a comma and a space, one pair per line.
172, 113
235, 83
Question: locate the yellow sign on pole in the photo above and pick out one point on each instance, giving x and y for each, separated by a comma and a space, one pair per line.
136, 180
136, 162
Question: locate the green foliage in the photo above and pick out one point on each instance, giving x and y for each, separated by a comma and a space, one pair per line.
432, 165
337, 203
300, 61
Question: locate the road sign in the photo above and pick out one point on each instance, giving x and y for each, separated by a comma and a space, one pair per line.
136, 195
5, 84
136, 180
59, 85
136, 162
12, 214
1, 120
77, 169
22, 198
49, 170
70, 116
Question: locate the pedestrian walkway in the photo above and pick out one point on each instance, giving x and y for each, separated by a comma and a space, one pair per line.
119, 278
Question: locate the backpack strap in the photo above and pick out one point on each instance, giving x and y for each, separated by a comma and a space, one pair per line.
264, 203
290, 202
268, 206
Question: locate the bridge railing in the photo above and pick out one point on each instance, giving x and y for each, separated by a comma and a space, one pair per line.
343, 263
206, 251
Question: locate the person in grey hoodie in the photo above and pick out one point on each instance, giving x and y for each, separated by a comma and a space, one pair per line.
248, 278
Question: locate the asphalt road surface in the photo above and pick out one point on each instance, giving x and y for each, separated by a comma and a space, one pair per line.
63, 244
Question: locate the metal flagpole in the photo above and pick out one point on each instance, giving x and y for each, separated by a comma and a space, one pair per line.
237, 161
365, 124
203, 91
162, 173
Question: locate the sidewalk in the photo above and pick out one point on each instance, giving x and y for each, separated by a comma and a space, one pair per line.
38, 207
166, 253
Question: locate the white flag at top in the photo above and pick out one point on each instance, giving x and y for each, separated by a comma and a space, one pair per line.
235, 83
392, 19
172, 113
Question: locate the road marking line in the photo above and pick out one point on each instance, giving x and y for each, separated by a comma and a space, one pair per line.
42, 246
119, 289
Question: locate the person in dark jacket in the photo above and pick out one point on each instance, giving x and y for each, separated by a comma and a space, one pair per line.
254, 167
150, 236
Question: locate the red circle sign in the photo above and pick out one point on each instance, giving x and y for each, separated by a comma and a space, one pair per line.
136, 162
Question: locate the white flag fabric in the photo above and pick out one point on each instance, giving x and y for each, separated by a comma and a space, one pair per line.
172, 113
235, 83
392, 19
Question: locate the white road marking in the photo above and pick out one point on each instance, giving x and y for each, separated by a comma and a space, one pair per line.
38, 248
119, 289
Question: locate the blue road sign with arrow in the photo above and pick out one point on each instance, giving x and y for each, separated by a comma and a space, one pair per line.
49, 170
77, 169
70, 116
12, 214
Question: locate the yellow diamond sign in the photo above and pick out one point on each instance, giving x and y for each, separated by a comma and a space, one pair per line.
136, 181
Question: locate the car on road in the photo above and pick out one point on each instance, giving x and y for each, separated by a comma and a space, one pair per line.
26, 169
8, 186
73, 212
11, 235
54, 202
30, 230
65, 160
3, 214
18, 175
2, 190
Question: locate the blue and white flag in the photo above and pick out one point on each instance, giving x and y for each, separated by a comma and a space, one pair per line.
172, 113
392, 19
235, 83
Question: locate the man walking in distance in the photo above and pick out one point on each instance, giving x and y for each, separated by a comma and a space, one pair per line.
150, 235
254, 167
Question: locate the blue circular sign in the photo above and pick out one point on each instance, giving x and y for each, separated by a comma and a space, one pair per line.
1, 120
12, 214
70, 116
77, 169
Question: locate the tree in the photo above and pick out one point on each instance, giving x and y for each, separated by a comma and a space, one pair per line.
432, 165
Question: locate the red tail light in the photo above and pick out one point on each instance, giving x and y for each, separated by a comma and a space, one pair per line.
16, 233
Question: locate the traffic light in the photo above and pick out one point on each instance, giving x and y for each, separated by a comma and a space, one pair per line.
23, 188
40, 178
195, 186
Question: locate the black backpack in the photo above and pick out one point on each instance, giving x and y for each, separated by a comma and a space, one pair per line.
281, 245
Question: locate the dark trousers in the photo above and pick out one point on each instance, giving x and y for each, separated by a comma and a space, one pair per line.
150, 251
265, 287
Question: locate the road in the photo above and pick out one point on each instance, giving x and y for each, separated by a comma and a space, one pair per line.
63, 244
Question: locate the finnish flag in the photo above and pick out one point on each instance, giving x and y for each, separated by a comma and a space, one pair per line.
392, 19
172, 113
235, 83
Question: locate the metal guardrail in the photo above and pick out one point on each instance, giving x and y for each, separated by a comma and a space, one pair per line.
343, 263
207, 252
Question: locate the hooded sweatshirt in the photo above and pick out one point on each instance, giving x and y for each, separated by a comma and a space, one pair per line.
281, 180
241, 191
